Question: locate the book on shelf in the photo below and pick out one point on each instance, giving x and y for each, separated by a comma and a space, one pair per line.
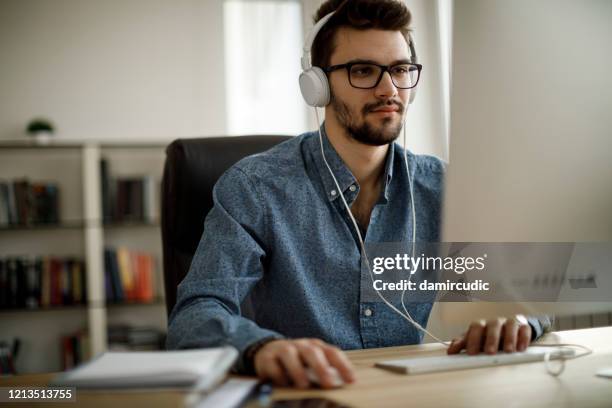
128, 198
28, 203
8, 355
41, 282
129, 276
126, 273
76, 349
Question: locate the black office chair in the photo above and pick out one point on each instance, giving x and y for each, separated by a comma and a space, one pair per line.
191, 170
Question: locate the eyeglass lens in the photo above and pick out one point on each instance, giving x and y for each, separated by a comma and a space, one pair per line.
367, 75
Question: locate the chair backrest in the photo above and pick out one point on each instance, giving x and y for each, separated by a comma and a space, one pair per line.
192, 168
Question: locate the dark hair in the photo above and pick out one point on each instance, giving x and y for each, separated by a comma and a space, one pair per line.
390, 15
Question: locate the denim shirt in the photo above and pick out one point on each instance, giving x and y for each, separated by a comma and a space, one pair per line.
280, 241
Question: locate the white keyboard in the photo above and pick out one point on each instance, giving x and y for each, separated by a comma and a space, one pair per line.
422, 365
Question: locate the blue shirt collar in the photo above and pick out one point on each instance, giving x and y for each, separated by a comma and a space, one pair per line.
343, 175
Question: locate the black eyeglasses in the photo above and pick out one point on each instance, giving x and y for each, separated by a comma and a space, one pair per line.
367, 75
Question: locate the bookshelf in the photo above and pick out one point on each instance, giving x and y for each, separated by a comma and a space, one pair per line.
81, 233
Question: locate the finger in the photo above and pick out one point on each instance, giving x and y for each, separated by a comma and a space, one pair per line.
338, 359
510, 335
475, 337
457, 345
524, 337
493, 333
289, 357
268, 367
315, 359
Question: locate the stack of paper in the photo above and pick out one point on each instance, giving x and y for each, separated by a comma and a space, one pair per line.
202, 368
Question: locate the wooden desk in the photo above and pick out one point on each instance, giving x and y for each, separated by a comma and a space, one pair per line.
523, 385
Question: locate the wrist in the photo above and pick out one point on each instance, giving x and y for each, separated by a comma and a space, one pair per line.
251, 351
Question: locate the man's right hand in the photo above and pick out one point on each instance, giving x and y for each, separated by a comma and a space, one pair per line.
284, 362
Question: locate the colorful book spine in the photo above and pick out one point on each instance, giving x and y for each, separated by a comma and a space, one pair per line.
129, 276
41, 282
126, 273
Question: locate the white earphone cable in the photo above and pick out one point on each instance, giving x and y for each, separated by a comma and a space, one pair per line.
407, 315
414, 227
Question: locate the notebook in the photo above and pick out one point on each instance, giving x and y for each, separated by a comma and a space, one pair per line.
202, 369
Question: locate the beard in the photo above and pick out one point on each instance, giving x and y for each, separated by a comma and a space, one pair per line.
364, 132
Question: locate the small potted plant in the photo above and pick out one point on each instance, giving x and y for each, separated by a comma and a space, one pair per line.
41, 130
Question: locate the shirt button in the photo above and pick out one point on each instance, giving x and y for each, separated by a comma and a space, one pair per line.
352, 187
367, 312
333, 192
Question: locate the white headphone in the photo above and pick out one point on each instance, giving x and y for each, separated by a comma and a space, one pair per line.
313, 81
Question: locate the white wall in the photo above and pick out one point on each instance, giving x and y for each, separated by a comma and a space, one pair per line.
426, 122
114, 68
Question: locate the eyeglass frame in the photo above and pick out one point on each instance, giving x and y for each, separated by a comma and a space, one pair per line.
384, 68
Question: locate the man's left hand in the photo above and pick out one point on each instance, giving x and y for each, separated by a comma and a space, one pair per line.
507, 334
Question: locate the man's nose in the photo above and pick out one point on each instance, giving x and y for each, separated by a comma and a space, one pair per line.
385, 88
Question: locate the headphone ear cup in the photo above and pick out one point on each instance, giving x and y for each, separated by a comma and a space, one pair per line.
314, 87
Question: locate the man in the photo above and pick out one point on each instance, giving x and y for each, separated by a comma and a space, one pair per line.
280, 236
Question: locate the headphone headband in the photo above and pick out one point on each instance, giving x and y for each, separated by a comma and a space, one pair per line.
312, 35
